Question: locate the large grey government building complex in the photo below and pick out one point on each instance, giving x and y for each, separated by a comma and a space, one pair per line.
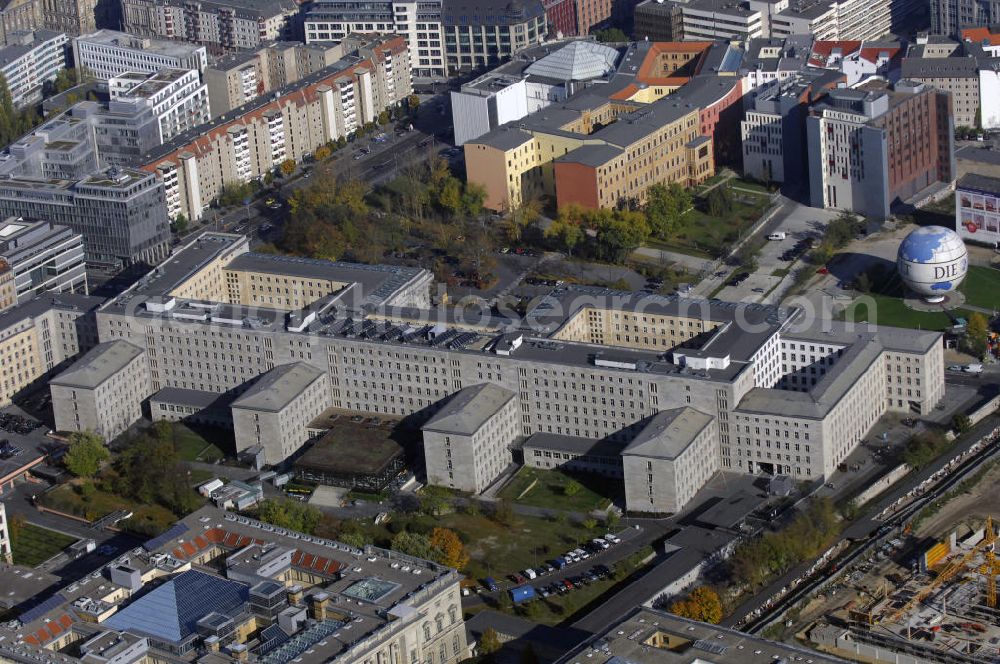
662, 391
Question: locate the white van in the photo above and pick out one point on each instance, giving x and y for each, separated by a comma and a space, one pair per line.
530, 573
780, 235
974, 368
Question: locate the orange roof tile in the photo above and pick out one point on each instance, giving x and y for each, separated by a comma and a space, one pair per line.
980, 35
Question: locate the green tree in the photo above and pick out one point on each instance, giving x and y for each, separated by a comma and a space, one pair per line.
65, 79
434, 500
565, 233
976, 330
619, 233
473, 199
719, 201
180, 224
614, 35
612, 521
450, 195
86, 453
413, 102
356, 539
589, 523
290, 514
572, 488
412, 544
489, 642
665, 208
961, 423
383, 118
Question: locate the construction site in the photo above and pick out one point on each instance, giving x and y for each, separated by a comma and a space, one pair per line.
916, 602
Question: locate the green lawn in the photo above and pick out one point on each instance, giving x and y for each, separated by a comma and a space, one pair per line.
891, 311
146, 518
34, 545
191, 446
982, 287
706, 236
494, 549
548, 489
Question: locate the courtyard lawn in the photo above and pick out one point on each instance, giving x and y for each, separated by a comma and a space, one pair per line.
982, 287
146, 519
547, 488
191, 446
706, 236
34, 545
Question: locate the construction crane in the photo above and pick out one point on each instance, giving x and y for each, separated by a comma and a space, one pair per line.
991, 568
949, 572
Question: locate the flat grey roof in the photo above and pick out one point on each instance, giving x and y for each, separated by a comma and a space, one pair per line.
98, 365
469, 409
628, 641
982, 155
165, 47
555, 442
668, 433
277, 388
978, 182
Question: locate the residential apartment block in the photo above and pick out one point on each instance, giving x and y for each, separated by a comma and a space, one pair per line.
238, 79
684, 385
231, 588
42, 256
444, 36
871, 146
108, 53
220, 25
252, 140
417, 21
103, 391
40, 334
655, 120
29, 61
950, 17
968, 70
177, 98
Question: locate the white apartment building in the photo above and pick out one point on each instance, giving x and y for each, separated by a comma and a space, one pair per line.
29, 61
43, 256
177, 98
417, 21
108, 53
710, 20
6, 553
308, 113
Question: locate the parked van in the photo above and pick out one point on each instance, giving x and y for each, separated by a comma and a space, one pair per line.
780, 235
974, 368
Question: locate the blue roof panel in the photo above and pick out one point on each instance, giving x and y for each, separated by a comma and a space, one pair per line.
171, 611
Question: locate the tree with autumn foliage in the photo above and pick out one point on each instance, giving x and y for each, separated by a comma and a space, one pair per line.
702, 604
451, 551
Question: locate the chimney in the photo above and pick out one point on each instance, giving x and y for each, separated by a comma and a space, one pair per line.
320, 606
212, 643
239, 652
295, 594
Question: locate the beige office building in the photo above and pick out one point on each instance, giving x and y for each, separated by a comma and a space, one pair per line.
776, 394
103, 391
467, 442
274, 413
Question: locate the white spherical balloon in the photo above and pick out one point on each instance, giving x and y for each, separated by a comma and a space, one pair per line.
932, 262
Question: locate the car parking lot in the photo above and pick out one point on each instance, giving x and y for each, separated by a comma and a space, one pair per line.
562, 574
